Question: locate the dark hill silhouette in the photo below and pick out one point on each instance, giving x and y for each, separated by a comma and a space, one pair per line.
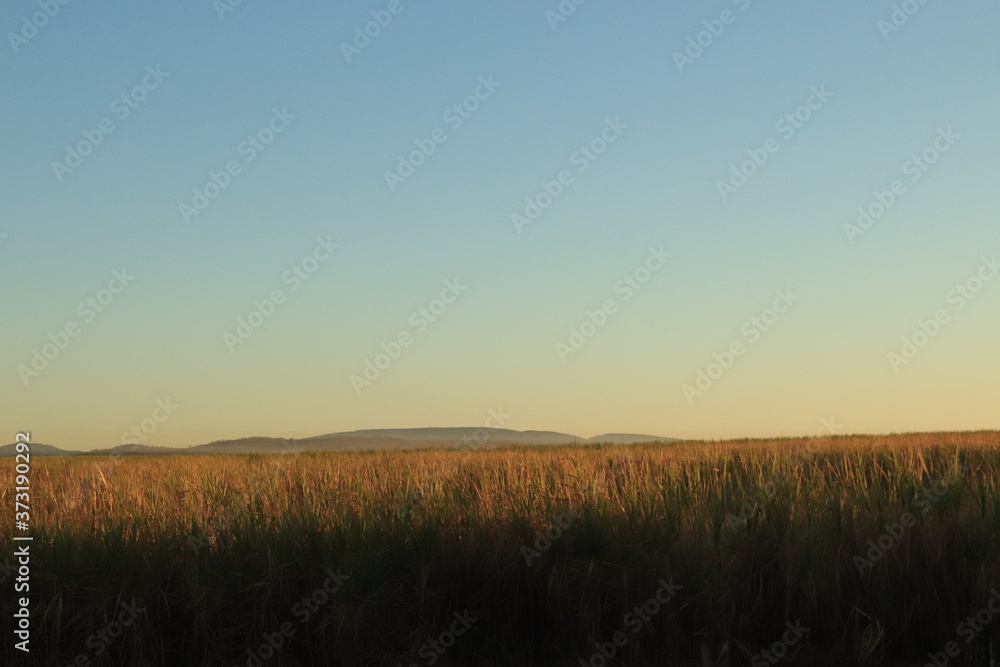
364, 440
38, 449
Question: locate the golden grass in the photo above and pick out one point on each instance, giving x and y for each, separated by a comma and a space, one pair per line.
759, 532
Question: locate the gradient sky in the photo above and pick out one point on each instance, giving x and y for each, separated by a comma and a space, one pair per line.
656, 185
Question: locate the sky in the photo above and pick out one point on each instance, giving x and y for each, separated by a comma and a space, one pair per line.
700, 220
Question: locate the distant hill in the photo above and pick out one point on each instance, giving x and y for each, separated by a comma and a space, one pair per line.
364, 440
130, 450
456, 434
628, 438
37, 449
244, 446
393, 439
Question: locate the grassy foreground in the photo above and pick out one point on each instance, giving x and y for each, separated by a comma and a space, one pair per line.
518, 556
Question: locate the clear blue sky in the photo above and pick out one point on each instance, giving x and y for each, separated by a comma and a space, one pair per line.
555, 87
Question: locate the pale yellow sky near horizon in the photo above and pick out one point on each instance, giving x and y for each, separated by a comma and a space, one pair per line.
729, 410
780, 387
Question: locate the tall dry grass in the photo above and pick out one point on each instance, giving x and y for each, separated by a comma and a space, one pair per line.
218, 549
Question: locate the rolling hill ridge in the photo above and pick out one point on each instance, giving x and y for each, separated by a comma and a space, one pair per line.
363, 440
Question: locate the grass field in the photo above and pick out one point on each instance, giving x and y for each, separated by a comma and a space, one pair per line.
879, 546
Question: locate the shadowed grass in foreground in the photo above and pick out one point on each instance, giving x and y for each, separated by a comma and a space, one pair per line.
879, 546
